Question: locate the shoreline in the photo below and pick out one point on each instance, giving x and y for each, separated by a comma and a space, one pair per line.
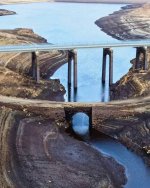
131, 22
104, 1
18, 66
7, 2
126, 24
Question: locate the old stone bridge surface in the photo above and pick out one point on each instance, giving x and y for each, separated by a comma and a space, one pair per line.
98, 112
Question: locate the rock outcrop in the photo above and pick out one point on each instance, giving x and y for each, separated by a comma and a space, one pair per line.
132, 129
131, 22
15, 68
4, 12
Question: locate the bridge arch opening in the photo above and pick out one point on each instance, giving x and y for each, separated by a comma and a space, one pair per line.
80, 121
81, 124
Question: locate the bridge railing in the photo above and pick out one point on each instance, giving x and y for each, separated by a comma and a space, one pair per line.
48, 47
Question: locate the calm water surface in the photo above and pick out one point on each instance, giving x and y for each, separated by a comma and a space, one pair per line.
74, 23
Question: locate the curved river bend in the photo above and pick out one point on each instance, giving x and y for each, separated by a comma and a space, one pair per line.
74, 23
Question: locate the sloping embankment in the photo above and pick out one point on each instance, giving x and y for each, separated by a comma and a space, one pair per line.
36, 152
15, 68
131, 22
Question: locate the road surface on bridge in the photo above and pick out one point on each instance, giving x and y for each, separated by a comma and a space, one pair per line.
49, 47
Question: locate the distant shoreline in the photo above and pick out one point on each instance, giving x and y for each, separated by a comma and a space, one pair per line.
5, 2
105, 1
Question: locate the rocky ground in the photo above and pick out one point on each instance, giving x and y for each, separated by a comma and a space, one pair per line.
132, 22
15, 68
36, 152
4, 12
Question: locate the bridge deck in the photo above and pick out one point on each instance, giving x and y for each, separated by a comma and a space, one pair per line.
4, 100
48, 47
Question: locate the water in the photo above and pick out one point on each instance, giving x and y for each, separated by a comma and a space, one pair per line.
74, 23
137, 172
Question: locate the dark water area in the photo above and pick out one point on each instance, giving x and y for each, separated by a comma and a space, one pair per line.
137, 172
67, 23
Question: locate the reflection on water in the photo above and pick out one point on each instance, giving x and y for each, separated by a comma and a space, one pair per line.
90, 87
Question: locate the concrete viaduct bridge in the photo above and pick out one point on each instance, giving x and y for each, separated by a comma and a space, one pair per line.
97, 112
140, 45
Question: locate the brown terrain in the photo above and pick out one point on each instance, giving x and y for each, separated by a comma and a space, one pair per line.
4, 12
132, 22
22, 1
35, 149
15, 68
105, 1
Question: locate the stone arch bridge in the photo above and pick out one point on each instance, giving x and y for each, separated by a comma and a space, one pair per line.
99, 112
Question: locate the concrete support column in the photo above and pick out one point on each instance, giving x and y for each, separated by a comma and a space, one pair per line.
75, 69
110, 67
35, 67
145, 65
137, 59
72, 56
141, 64
69, 67
107, 51
104, 67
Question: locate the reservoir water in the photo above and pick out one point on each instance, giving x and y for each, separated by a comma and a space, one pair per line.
74, 23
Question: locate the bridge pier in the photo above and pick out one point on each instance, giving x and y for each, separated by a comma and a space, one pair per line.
35, 67
109, 52
72, 56
141, 64
75, 69
69, 67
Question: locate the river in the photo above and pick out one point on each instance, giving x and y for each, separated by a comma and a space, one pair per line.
74, 23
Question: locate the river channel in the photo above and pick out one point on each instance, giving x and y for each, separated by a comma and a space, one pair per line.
68, 23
